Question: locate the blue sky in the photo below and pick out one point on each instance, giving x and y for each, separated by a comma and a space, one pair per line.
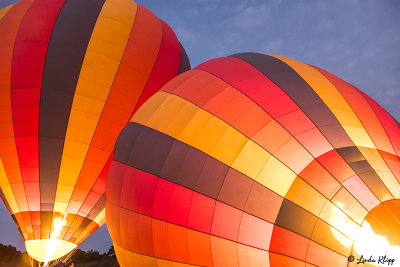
357, 40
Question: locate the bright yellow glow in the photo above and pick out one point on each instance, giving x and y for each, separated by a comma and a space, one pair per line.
58, 225
37, 248
342, 228
340, 221
366, 243
369, 244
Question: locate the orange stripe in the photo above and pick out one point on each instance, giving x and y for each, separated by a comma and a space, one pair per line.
9, 26
5, 10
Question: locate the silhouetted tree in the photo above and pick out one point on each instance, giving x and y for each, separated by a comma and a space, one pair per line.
111, 252
10, 256
93, 258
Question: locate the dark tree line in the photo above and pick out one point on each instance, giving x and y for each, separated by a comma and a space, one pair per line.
10, 256
93, 258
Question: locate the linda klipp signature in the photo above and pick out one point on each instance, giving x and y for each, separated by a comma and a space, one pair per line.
378, 260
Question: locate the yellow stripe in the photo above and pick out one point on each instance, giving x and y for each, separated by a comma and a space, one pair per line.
347, 118
99, 220
100, 216
5, 10
379, 165
7, 191
104, 53
88, 230
214, 137
334, 100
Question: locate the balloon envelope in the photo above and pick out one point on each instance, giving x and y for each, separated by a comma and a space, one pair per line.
254, 160
72, 73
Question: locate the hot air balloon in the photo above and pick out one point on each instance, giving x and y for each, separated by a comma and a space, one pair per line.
72, 73
254, 160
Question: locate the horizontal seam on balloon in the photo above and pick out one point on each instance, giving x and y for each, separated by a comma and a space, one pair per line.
224, 237
273, 223
194, 190
235, 241
157, 257
263, 149
247, 177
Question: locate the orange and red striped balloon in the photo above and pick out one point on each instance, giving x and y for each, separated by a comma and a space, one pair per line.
253, 160
72, 73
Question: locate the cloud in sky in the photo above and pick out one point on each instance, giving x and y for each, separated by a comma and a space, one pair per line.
356, 40
249, 16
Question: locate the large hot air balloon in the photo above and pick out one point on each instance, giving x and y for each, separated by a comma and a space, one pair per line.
255, 160
72, 73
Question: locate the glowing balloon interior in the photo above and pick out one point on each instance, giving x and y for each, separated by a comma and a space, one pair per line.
72, 73
254, 160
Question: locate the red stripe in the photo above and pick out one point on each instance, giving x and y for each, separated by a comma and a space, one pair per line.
255, 85
391, 127
97, 190
289, 243
260, 89
166, 65
368, 118
9, 27
144, 193
26, 79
